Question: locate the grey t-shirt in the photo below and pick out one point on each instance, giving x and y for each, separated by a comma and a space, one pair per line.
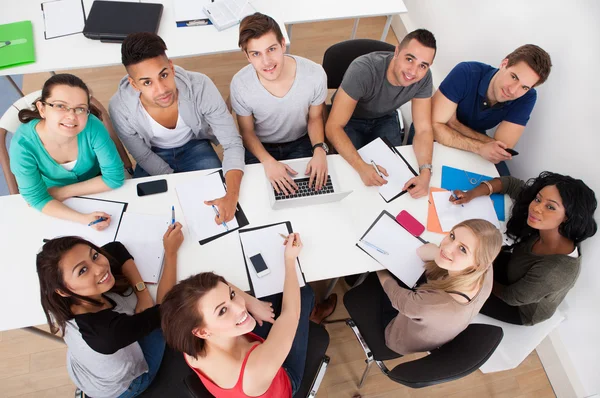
278, 120
365, 81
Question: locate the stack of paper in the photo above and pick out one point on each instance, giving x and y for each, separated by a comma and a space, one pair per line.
269, 244
142, 236
399, 173
399, 249
226, 13
199, 216
450, 214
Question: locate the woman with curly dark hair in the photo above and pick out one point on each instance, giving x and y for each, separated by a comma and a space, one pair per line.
551, 216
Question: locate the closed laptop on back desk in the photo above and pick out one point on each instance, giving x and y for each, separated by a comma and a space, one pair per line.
112, 21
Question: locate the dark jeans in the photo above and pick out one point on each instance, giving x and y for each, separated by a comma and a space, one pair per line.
153, 347
295, 361
494, 307
363, 131
195, 155
300, 148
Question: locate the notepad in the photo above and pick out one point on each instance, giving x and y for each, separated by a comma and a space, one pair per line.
402, 259
59, 227
450, 214
62, 18
226, 13
269, 244
142, 236
200, 217
190, 10
399, 173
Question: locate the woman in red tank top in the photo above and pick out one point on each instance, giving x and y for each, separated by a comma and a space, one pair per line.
212, 323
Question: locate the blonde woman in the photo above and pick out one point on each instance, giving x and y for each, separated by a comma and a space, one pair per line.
459, 281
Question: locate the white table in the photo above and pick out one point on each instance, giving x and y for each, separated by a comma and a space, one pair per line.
329, 231
76, 51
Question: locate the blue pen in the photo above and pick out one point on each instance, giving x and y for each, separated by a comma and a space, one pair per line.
97, 221
172, 216
375, 247
218, 215
456, 198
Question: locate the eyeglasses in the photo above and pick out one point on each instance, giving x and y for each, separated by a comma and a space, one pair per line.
79, 110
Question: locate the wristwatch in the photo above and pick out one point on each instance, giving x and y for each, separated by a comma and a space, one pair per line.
321, 145
140, 286
426, 166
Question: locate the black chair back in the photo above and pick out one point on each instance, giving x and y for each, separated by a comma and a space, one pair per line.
458, 358
338, 57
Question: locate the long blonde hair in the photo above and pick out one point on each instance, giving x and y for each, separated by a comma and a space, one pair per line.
486, 250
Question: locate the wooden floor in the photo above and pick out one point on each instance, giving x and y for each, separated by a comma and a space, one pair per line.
31, 366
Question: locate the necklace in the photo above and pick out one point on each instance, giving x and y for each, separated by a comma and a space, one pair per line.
473, 180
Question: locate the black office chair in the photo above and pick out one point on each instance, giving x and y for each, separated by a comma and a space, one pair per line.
170, 379
458, 358
314, 370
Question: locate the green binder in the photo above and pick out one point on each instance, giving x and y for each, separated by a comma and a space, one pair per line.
16, 44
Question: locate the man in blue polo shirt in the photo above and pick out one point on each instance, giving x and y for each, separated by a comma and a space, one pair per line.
476, 97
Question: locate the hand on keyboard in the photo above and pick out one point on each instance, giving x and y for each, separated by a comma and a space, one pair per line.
279, 175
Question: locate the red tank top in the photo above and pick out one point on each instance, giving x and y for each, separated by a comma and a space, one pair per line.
280, 386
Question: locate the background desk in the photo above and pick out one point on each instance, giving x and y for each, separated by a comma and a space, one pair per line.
329, 231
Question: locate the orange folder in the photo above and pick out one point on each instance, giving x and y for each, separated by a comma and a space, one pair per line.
433, 222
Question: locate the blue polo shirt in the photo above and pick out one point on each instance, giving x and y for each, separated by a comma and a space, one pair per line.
467, 84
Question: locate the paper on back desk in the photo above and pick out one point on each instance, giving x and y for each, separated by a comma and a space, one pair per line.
200, 217
450, 214
383, 156
402, 260
58, 227
269, 244
142, 236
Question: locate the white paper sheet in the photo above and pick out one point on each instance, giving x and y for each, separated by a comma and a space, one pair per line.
383, 156
402, 259
450, 214
142, 236
200, 217
190, 10
63, 17
269, 244
83, 205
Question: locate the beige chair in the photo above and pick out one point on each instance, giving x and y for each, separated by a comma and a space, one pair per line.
10, 123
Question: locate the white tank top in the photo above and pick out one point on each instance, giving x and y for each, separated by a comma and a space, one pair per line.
165, 138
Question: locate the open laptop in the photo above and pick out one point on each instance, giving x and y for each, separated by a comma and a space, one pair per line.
331, 191
112, 21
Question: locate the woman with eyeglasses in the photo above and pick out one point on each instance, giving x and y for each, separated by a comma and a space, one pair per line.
62, 150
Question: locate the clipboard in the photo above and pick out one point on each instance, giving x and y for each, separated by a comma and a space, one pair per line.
240, 216
453, 178
383, 214
393, 149
288, 226
46, 18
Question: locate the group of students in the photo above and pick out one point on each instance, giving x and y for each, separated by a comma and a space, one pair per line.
167, 118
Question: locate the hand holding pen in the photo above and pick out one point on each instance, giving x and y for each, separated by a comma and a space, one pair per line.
219, 215
286, 237
98, 220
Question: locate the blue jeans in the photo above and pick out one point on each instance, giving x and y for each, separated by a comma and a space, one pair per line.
295, 361
195, 155
153, 347
300, 148
363, 131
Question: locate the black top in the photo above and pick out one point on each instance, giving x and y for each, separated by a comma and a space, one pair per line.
108, 331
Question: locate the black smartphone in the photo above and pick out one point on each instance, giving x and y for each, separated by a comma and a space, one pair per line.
151, 187
259, 264
512, 151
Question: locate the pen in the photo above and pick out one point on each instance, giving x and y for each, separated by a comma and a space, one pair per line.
376, 169
375, 247
286, 237
456, 198
97, 221
172, 216
218, 215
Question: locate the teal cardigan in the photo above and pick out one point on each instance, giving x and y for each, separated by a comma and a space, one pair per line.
36, 171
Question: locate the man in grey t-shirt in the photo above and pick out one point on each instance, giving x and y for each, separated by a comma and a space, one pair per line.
279, 102
364, 107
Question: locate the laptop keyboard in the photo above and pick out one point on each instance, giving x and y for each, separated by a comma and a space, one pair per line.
304, 190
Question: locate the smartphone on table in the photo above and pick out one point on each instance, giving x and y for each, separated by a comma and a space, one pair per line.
259, 264
152, 187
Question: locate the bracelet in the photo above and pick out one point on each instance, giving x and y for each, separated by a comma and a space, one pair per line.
489, 187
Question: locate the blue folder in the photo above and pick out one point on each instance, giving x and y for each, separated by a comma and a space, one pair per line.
459, 179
